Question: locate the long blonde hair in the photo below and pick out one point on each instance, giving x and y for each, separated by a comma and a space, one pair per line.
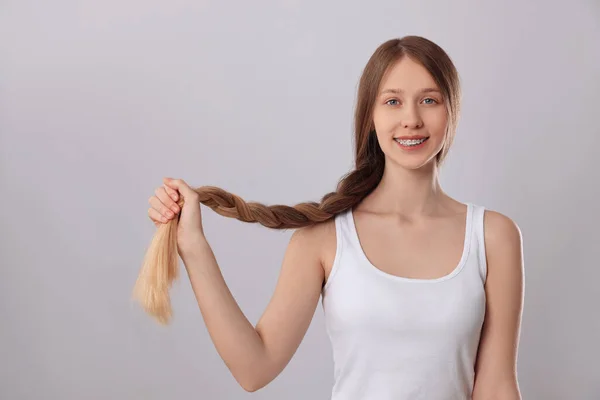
159, 268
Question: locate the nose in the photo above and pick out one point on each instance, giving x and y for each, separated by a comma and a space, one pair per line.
411, 118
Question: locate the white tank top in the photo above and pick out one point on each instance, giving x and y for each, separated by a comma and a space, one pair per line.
396, 338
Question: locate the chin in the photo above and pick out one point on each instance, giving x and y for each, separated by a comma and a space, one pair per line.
413, 160
414, 165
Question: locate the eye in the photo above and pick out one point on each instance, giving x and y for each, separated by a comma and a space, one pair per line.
429, 98
388, 102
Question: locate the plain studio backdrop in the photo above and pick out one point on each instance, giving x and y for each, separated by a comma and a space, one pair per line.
100, 100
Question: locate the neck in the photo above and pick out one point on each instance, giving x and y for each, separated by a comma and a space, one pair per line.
407, 192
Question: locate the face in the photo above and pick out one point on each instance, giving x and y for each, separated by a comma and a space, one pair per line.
410, 104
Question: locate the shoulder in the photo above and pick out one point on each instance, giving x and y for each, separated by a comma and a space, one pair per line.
319, 241
316, 232
316, 238
501, 231
503, 249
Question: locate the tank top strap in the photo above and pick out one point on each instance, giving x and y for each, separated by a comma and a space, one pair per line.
479, 239
341, 238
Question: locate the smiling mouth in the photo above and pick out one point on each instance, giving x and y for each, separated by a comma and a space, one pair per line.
411, 142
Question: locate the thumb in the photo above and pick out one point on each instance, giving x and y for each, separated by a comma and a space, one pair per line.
183, 188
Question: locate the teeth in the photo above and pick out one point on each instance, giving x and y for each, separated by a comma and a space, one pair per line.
410, 142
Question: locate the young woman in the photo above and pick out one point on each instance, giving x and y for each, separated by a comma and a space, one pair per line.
422, 294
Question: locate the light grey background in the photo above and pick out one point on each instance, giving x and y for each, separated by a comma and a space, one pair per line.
101, 99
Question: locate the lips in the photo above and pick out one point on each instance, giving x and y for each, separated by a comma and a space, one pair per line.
411, 137
412, 144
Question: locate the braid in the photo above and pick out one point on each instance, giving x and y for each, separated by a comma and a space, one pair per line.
160, 264
159, 268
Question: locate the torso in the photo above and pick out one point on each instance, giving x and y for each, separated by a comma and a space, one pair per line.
390, 329
429, 250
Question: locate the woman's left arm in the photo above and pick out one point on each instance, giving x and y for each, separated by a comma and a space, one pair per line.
496, 366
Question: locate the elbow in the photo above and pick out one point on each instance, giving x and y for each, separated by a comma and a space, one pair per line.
258, 380
251, 386
508, 396
254, 380
251, 389
509, 391
256, 375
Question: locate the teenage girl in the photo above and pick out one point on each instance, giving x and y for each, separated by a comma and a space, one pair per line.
422, 294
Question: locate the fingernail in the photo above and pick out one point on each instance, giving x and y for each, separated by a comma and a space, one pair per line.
174, 208
169, 213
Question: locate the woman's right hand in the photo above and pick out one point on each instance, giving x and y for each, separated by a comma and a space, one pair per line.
163, 205
164, 208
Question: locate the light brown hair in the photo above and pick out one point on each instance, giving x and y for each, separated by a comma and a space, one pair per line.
159, 268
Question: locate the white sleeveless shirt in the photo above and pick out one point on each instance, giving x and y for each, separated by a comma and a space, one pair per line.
396, 338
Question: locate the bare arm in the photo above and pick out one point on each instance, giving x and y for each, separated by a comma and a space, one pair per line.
496, 366
256, 356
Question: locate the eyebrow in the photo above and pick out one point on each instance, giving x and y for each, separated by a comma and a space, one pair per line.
398, 91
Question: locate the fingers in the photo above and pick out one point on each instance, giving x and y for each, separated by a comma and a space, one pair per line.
182, 187
172, 193
157, 217
161, 212
166, 200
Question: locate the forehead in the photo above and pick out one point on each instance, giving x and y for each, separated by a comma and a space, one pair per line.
407, 75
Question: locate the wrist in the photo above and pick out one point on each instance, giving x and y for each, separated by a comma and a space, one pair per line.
193, 245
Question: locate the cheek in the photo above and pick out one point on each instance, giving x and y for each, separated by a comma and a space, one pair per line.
437, 123
377, 116
384, 120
